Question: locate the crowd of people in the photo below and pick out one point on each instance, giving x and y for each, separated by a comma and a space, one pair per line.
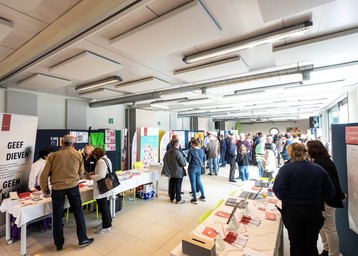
305, 180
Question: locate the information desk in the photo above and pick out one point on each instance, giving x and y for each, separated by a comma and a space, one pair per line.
28, 211
264, 239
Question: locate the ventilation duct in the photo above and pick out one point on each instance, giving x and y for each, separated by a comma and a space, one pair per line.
222, 83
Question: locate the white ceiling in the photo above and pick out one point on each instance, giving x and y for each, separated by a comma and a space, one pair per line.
54, 46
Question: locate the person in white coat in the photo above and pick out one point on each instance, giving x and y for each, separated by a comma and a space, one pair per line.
103, 165
36, 169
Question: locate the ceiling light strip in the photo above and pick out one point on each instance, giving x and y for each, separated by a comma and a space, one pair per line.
103, 82
263, 39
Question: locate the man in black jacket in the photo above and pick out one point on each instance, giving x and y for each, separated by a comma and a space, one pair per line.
173, 167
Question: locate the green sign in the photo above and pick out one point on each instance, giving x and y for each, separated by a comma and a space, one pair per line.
110, 120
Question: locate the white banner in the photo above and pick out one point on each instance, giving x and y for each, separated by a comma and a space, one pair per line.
17, 146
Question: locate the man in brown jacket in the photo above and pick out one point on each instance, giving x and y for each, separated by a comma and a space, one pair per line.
65, 167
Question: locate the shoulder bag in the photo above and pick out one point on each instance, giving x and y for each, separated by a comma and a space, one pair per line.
109, 182
202, 164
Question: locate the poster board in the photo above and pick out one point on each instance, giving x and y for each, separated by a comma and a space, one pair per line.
352, 176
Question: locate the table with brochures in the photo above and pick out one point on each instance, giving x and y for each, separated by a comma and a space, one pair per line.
29, 210
258, 229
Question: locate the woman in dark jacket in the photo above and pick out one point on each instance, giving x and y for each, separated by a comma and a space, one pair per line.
196, 157
301, 185
329, 235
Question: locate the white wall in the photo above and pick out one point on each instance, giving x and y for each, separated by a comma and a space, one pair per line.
162, 119
353, 106
98, 118
51, 110
303, 125
145, 118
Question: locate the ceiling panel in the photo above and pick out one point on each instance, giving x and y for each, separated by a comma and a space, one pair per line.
323, 50
85, 66
278, 9
196, 26
5, 28
101, 93
43, 82
233, 66
143, 85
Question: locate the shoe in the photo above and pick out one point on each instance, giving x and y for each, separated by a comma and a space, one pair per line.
180, 202
210, 174
324, 253
202, 199
99, 226
216, 173
171, 201
86, 242
103, 230
233, 180
193, 201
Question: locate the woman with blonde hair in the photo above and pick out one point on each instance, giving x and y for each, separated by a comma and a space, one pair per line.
301, 185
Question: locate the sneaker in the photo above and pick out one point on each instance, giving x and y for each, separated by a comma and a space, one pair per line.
86, 242
202, 198
210, 174
180, 202
103, 230
99, 226
193, 201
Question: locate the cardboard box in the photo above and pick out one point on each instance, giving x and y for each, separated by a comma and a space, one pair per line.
145, 196
194, 246
146, 188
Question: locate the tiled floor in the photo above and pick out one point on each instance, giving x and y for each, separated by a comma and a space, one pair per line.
142, 227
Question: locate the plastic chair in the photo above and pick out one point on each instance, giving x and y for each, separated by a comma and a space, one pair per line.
85, 204
233, 192
217, 204
138, 165
205, 215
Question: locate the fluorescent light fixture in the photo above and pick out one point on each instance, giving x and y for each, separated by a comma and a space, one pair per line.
249, 43
195, 101
103, 82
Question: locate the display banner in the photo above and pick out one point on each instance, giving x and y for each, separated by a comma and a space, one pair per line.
149, 142
17, 144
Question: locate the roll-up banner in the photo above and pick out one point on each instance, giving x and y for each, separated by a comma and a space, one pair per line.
17, 145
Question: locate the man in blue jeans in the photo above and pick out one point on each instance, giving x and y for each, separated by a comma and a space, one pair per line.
65, 167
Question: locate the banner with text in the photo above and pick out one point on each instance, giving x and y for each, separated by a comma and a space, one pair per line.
17, 144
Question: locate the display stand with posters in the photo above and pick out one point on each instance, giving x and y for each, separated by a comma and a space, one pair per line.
17, 146
145, 146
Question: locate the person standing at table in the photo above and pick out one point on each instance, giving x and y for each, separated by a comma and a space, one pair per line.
103, 166
88, 160
301, 186
330, 240
173, 166
65, 167
36, 169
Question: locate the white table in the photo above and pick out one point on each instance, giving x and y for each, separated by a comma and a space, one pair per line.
266, 238
145, 176
41, 209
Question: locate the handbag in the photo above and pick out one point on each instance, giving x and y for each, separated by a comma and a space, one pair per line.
202, 164
109, 182
184, 172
